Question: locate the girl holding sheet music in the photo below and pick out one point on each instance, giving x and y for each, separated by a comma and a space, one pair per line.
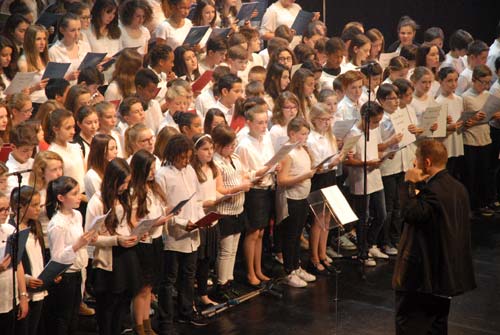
67, 243
35, 59
7, 316
148, 202
175, 28
69, 48
393, 169
33, 258
182, 238
208, 176
104, 32
117, 271
422, 79
322, 144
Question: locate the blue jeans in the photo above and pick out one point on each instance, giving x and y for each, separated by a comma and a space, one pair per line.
372, 214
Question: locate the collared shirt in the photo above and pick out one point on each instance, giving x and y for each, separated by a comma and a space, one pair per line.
231, 170
64, 230
478, 135
74, 164
254, 153
205, 101
464, 81
168, 120
348, 110
320, 148
279, 136
457, 63
15, 166
300, 163
58, 53
179, 185
162, 85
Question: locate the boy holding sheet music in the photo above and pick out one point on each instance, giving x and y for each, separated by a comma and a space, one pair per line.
367, 230
477, 142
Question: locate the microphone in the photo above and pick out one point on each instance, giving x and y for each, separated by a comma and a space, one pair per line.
18, 172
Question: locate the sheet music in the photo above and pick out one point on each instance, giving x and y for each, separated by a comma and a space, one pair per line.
342, 127
385, 58
284, 150
339, 205
21, 81
98, 222
400, 122
350, 143
429, 117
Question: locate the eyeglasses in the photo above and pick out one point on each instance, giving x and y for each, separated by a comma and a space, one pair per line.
285, 59
483, 82
4, 209
27, 111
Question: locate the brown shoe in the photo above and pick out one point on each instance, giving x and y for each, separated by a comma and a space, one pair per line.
86, 310
147, 327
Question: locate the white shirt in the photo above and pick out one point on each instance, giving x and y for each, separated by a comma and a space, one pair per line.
128, 41
205, 101
457, 63
174, 37
162, 85
59, 53
320, 148
374, 177
347, 67
113, 92
326, 80
300, 163
453, 142
15, 166
92, 182
35, 255
156, 209
6, 276
105, 44
64, 230
277, 15
464, 81
154, 116
179, 185
74, 165
158, 15
254, 153
168, 120
493, 54
279, 136
403, 158
37, 96
348, 110
420, 105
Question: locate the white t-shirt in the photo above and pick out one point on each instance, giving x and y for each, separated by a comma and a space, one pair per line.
173, 37
92, 182
374, 177
300, 164
279, 136
128, 41
454, 141
15, 166
277, 15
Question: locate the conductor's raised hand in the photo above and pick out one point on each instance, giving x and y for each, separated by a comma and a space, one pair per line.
415, 175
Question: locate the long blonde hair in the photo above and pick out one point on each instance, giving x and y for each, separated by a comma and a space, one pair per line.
321, 110
30, 51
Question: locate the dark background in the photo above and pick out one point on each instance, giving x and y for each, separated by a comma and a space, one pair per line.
478, 17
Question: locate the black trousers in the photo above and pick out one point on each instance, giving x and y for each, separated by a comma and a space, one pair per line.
421, 314
7, 321
111, 309
63, 303
29, 325
179, 268
291, 230
478, 175
392, 224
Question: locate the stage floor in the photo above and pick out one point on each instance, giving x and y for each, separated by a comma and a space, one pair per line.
366, 301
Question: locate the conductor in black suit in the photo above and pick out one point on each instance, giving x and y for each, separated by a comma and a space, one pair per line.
434, 261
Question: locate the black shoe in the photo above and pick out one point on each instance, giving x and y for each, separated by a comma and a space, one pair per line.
330, 268
195, 319
313, 269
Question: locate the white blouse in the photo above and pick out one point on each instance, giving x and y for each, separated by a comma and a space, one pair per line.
454, 141
174, 37
6, 276
64, 230
92, 182
74, 164
127, 41
35, 255
58, 52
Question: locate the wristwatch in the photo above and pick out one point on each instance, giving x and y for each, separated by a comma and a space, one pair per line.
24, 294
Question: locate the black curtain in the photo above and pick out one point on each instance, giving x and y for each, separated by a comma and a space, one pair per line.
478, 17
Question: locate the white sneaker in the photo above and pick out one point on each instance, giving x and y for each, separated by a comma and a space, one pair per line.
304, 275
332, 253
346, 244
294, 280
375, 252
368, 262
391, 251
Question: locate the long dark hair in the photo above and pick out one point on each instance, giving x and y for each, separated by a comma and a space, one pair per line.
141, 167
113, 28
98, 152
114, 176
60, 186
199, 141
24, 197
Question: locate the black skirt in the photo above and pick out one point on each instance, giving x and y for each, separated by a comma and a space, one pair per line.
151, 261
209, 242
322, 180
232, 224
126, 276
259, 204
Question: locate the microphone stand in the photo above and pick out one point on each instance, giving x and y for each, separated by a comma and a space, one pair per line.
15, 246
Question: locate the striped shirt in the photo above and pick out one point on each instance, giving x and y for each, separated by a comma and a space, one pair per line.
231, 170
